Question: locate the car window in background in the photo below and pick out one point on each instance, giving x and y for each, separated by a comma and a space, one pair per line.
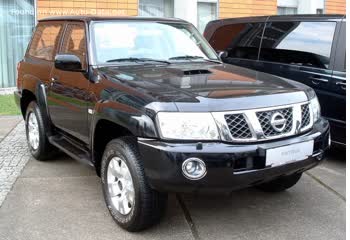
44, 41
298, 43
162, 41
239, 40
74, 42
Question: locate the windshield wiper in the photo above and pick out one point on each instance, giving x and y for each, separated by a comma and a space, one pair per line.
131, 59
188, 57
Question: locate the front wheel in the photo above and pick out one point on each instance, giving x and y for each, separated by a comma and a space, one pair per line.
38, 143
280, 184
129, 198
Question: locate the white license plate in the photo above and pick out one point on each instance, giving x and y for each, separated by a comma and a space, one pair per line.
288, 154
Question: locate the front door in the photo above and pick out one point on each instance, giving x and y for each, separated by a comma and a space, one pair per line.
68, 90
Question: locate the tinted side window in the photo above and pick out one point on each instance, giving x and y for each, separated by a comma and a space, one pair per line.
239, 40
44, 41
298, 43
74, 42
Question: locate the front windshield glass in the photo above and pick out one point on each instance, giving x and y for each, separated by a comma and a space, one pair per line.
166, 41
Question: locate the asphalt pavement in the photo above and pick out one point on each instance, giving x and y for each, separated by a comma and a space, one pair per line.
62, 199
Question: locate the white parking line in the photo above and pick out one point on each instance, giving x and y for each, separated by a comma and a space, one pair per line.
326, 186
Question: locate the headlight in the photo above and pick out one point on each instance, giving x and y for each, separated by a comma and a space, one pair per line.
315, 108
187, 126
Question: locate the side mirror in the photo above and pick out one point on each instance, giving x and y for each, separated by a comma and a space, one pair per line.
68, 62
223, 55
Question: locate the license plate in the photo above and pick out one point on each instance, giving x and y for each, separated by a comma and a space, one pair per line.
288, 154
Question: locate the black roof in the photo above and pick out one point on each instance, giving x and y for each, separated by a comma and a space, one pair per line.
88, 18
213, 25
310, 16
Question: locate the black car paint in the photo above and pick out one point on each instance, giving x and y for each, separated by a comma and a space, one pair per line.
223, 87
329, 84
164, 172
130, 96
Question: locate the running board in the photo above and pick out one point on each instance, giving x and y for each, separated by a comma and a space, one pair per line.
70, 148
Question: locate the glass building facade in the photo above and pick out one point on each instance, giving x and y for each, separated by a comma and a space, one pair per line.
17, 19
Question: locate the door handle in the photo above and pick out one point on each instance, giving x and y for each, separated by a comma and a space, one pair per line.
317, 80
341, 84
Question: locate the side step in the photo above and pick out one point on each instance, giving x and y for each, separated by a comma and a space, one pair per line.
74, 150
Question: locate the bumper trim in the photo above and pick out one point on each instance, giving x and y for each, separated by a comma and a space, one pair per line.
229, 166
315, 155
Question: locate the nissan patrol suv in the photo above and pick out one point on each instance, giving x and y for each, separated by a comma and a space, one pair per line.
149, 104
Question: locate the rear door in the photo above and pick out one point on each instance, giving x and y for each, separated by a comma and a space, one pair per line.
301, 51
338, 89
69, 90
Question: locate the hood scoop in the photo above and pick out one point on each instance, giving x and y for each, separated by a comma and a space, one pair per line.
196, 72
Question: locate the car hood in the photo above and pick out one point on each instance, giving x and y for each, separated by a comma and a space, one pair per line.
207, 86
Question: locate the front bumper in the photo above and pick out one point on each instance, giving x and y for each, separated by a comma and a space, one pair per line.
229, 166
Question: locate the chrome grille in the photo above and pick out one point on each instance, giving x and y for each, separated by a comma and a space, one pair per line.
305, 115
254, 125
238, 126
265, 121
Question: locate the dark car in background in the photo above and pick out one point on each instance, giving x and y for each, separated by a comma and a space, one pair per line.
310, 49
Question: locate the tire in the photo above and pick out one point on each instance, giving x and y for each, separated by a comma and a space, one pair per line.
144, 206
280, 184
41, 149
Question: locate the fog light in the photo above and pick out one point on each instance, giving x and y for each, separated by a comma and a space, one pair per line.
194, 168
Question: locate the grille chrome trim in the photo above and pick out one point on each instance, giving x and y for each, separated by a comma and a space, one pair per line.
267, 126
308, 111
254, 124
238, 125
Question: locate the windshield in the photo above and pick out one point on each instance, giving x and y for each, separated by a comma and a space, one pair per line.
131, 40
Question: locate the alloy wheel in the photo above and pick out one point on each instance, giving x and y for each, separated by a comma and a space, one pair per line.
33, 131
120, 186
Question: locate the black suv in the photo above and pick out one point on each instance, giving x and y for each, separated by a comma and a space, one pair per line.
148, 103
307, 48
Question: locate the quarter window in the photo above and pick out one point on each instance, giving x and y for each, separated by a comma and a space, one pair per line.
44, 41
298, 43
74, 42
239, 40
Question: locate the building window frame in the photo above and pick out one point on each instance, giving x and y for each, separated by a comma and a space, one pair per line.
284, 8
212, 1
19, 22
164, 13
35, 12
216, 2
